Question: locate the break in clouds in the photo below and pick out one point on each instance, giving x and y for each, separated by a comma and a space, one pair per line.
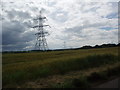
72, 21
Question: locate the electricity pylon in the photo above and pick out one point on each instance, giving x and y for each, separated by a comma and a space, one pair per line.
41, 43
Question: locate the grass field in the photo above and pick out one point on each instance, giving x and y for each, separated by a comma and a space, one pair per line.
20, 68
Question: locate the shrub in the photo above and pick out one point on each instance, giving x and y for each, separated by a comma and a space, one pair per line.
113, 71
80, 83
97, 76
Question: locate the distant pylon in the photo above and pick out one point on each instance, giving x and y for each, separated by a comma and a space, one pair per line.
64, 45
41, 43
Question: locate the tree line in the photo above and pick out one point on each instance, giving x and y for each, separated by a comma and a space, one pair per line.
83, 47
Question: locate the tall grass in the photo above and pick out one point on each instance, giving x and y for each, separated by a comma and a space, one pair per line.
22, 67
88, 81
55, 67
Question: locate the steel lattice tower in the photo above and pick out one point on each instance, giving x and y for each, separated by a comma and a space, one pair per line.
41, 43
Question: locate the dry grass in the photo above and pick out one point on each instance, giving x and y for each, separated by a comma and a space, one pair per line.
60, 79
23, 67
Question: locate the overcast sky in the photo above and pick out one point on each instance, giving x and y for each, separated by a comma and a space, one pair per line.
72, 21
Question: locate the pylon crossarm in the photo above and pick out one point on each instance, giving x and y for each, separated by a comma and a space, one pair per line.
40, 18
40, 26
41, 33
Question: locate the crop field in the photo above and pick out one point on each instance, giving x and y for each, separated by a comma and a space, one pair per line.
59, 69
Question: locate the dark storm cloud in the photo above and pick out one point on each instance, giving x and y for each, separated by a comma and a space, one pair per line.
20, 46
11, 32
14, 36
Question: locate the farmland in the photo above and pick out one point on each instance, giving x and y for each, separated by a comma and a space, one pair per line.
56, 68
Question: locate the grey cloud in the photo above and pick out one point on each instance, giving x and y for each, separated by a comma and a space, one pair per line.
14, 47
88, 24
34, 9
62, 18
75, 31
78, 30
20, 14
51, 3
13, 35
70, 33
95, 34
